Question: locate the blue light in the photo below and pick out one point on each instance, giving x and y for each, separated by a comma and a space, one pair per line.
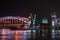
44, 21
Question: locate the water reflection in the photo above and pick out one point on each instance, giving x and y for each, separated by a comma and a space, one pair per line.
7, 34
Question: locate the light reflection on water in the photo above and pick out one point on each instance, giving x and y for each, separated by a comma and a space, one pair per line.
7, 34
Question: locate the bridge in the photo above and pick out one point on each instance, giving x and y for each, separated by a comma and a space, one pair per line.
14, 22
10, 24
14, 19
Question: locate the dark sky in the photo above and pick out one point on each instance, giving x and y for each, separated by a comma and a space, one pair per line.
23, 7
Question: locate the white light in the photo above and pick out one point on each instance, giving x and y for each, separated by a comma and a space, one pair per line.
29, 23
52, 23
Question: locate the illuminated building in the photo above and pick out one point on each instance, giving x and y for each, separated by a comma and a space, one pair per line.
58, 24
34, 20
45, 20
30, 20
54, 25
54, 19
45, 29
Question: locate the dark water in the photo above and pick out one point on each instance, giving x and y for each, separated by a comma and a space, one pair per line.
6, 34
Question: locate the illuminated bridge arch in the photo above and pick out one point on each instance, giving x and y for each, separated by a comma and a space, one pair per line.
12, 22
12, 19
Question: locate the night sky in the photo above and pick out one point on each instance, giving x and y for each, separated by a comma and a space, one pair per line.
24, 7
